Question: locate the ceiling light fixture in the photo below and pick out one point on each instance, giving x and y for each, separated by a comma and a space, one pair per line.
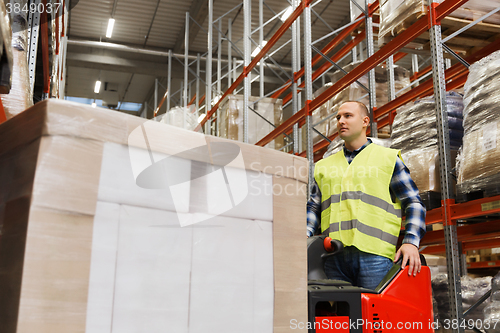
258, 49
111, 24
97, 87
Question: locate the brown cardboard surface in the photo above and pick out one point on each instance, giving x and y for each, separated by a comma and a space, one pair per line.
21, 129
290, 258
75, 119
67, 175
56, 272
65, 142
17, 171
12, 248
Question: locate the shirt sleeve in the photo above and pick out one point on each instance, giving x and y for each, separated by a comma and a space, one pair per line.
406, 191
313, 210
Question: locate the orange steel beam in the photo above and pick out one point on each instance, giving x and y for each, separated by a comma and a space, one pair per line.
3, 116
394, 45
484, 264
481, 244
466, 246
477, 207
44, 33
328, 48
464, 233
192, 100
277, 35
398, 56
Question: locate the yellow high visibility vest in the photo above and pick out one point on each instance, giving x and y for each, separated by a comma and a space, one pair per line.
356, 205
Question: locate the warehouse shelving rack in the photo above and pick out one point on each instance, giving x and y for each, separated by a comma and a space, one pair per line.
53, 70
450, 213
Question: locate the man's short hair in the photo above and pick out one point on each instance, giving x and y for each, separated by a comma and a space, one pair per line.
362, 107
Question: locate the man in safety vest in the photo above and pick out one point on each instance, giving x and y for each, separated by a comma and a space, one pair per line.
359, 195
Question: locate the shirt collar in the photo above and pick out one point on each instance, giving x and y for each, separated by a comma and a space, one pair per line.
347, 151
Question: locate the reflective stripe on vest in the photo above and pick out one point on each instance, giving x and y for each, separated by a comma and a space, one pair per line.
366, 229
367, 198
356, 205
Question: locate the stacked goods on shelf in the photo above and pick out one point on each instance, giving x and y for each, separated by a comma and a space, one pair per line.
483, 255
477, 164
472, 290
354, 92
20, 96
110, 220
397, 15
492, 310
414, 132
183, 117
231, 122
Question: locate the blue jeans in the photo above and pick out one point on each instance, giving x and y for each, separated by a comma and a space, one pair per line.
359, 268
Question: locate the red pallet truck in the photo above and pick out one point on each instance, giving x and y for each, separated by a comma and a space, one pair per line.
400, 303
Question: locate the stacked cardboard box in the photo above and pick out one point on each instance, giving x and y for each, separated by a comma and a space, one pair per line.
111, 222
231, 123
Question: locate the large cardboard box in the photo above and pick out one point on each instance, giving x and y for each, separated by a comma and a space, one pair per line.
110, 222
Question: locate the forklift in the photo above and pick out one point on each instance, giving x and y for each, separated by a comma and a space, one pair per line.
400, 303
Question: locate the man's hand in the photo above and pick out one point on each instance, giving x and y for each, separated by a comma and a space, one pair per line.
409, 252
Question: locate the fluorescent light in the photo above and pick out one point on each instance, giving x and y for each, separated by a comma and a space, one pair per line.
109, 32
258, 49
93, 104
287, 13
97, 86
201, 117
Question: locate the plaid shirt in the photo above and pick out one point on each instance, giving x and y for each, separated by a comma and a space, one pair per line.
402, 186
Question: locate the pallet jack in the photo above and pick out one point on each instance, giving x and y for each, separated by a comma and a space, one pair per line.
400, 303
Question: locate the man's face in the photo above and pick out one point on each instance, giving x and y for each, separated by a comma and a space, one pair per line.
351, 121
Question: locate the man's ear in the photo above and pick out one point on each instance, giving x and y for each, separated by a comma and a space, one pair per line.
366, 121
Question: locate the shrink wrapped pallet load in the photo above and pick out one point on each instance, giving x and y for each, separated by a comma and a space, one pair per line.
231, 123
477, 165
492, 310
472, 290
414, 132
20, 96
110, 222
397, 15
183, 117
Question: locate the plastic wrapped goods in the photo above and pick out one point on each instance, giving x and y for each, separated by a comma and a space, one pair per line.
477, 164
110, 220
414, 126
472, 290
492, 310
231, 122
398, 15
181, 117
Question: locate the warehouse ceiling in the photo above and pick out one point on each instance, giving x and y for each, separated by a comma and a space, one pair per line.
145, 31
